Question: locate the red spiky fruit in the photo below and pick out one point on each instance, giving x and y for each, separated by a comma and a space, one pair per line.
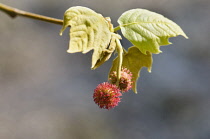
125, 82
107, 95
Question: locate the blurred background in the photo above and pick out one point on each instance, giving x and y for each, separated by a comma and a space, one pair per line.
46, 93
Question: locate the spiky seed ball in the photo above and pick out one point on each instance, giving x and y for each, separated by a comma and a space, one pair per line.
125, 82
107, 95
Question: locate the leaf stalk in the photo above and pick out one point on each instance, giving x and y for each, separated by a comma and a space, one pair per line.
117, 28
120, 60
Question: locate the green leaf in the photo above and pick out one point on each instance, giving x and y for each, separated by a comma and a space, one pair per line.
134, 60
148, 30
89, 30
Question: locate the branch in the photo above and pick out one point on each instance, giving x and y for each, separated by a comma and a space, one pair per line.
13, 12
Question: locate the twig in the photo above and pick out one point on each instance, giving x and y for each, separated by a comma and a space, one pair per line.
13, 12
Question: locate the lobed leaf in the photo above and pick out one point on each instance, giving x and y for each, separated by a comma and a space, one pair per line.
148, 30
89, 30
134, 60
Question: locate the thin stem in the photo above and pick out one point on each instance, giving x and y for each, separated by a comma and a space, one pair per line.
117, 28
13, 12
120, 60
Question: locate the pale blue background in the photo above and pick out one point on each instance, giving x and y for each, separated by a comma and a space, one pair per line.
46, 93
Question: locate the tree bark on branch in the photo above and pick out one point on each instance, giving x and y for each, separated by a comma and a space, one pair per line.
13, 12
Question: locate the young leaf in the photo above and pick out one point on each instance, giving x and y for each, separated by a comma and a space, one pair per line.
134, 60
89, 30
148, 30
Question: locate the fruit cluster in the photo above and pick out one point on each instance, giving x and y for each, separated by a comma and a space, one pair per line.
107, 95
